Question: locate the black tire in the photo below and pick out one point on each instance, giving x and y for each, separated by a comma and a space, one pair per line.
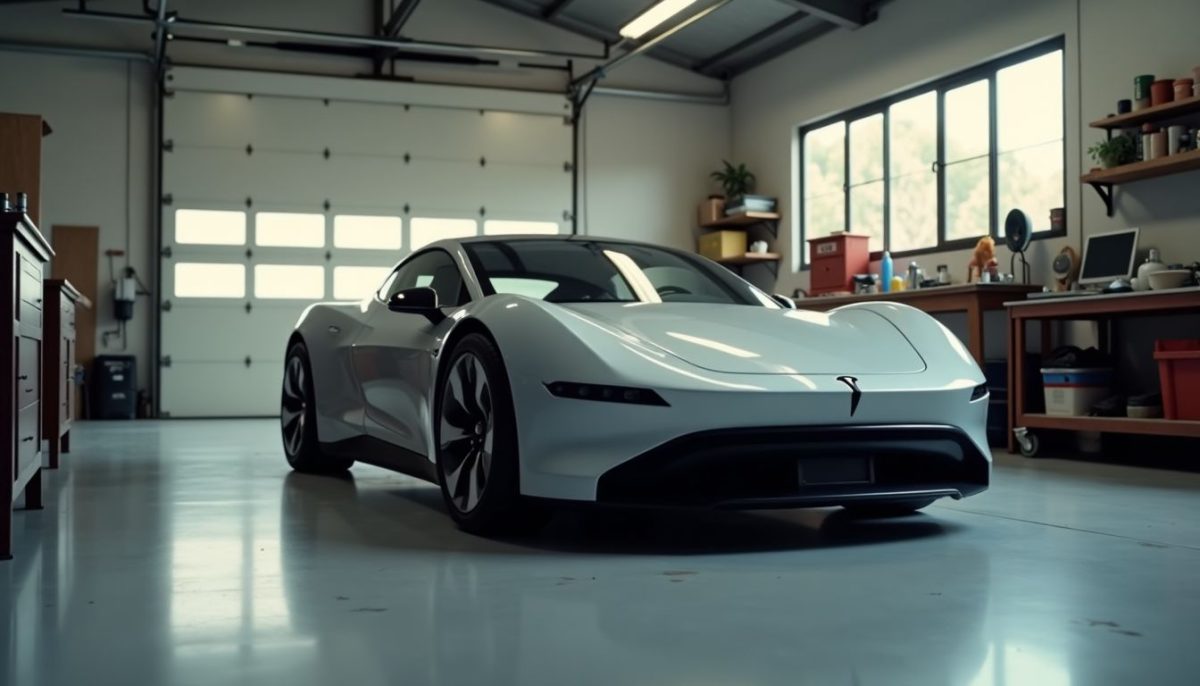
476, 437
887, 508
298, 419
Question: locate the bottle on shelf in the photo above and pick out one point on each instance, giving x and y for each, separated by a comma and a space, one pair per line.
885, 271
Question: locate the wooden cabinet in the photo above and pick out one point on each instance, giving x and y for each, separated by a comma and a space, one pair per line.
21, 159
62, 301
834, 260
21, 367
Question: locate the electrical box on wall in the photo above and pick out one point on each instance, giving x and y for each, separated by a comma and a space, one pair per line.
125, 294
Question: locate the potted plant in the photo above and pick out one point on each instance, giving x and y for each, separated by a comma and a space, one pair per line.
735, 181
1114, 152
738, 182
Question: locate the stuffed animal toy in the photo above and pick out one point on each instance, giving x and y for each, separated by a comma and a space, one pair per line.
984, 259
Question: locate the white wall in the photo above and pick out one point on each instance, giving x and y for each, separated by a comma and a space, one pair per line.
918, 40
96, 166
645, 167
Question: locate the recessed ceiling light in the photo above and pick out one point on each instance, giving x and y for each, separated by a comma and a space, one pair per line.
652, 17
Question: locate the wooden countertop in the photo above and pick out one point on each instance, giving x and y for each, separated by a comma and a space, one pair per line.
1007, 290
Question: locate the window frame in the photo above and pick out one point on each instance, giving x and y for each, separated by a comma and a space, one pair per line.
985, 71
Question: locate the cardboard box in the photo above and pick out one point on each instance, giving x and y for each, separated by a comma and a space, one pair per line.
717, 245
710, 211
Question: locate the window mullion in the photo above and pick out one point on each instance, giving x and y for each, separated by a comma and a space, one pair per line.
940, 166
887, 179
993, 158
846, 178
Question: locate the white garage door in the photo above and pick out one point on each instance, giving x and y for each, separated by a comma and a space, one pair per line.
283, 190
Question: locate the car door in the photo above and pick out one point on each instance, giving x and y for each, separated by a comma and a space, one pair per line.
394, 354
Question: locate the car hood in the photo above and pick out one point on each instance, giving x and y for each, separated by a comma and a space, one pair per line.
741, 339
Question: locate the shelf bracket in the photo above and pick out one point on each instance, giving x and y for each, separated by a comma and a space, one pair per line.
1105, 191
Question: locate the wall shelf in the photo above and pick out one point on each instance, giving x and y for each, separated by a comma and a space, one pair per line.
1178, 110
1103, 180
1185, 110
744, 219
750, 258
1137, 171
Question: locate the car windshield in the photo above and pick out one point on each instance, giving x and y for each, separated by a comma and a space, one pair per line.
566, 271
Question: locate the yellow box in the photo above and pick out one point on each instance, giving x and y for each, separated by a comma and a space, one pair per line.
718, 245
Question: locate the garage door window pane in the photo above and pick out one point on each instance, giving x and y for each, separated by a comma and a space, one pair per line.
426, 230
289, 230
500, 227
210, 227
366, 233
289, 281
209, 280
356, 283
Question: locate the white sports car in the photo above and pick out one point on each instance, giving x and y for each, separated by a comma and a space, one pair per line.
520, 371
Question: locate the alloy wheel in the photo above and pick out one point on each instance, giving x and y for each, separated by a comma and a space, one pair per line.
467, 436
294, 412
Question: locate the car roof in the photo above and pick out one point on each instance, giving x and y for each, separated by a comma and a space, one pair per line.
449, 243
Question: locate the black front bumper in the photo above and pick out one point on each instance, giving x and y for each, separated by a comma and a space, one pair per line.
761, 467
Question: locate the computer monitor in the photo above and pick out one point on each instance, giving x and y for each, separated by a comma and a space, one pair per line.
1108, 256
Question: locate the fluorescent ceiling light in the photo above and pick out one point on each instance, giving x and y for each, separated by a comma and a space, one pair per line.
652, 17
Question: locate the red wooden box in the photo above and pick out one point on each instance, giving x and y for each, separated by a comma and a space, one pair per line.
834, 260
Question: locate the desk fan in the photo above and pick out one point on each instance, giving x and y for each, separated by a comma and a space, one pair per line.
1018, 231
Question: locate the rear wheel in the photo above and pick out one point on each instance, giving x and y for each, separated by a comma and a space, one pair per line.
298, 418
477, 459
887, 508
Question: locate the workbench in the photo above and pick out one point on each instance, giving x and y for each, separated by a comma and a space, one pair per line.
1102, 309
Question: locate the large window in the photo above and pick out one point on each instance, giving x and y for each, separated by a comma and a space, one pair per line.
936, 167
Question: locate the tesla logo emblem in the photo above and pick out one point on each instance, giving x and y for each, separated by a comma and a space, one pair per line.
855, 394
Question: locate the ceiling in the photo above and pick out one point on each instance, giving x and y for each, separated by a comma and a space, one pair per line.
735, 37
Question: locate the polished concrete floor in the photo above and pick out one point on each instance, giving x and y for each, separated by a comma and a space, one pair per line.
186, 553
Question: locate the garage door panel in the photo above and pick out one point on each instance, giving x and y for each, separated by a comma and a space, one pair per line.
221, 119
384, 159
231, 175
223, 332
208, 389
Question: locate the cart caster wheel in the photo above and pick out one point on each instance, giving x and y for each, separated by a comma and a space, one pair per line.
1027, 442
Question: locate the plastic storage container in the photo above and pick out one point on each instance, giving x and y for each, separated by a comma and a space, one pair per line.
1072, 392
1179, 375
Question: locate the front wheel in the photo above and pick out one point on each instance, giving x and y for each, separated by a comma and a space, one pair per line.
298, 418
477, 459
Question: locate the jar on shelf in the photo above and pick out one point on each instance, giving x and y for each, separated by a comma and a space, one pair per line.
1141, 91
1162, 91
1183, 88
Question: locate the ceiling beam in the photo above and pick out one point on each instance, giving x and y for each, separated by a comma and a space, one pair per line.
783, 46
399, 17
850, 14
588, 80
608, 38
751, 41
555, 8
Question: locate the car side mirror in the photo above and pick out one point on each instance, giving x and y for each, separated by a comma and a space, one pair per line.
420, 300
786, 302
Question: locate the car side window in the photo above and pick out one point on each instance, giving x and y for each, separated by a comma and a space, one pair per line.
435, 269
